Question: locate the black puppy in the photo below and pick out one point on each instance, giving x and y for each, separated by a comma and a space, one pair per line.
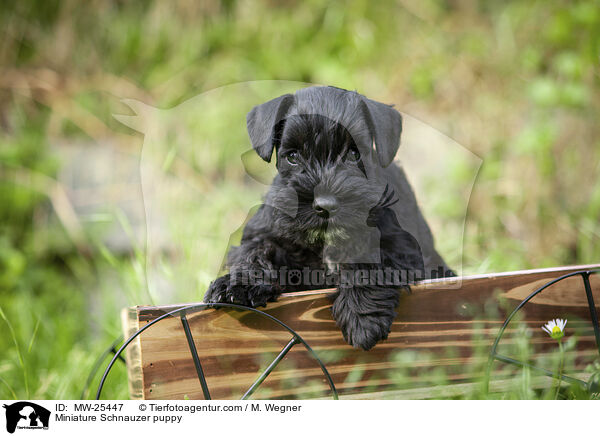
338, 213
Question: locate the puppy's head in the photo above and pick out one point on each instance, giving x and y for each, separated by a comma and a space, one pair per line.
330, 145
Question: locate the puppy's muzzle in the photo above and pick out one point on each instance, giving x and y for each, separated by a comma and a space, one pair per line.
325, 206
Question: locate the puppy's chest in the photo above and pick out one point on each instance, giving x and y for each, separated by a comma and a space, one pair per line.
361, 248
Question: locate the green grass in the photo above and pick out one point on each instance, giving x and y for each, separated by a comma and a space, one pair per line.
514, 82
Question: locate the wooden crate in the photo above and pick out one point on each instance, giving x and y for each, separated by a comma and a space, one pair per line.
438, 346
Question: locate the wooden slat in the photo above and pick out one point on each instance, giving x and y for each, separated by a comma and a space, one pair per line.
448, 325
133, 354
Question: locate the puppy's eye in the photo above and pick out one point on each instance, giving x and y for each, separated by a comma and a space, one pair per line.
353, 156
292, 157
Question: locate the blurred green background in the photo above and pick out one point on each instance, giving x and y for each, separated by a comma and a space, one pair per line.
515, 82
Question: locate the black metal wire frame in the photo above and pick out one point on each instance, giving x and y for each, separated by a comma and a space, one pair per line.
183, 311
593, 315
112, 348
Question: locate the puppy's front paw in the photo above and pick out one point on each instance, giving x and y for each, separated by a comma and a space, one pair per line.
223, 290
360, 329
364, 331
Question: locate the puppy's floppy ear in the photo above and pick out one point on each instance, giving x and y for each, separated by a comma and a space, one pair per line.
261, 122
385, 126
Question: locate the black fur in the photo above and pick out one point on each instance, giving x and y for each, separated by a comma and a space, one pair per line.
338, 205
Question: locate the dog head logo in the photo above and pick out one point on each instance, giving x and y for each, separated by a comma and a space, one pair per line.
322, 152
26, 415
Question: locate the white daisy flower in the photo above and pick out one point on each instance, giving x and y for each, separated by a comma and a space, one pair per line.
555, 328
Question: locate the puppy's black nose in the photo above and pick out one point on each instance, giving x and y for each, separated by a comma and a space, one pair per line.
325, 206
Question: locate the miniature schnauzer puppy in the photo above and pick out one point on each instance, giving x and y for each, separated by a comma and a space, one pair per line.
338, 214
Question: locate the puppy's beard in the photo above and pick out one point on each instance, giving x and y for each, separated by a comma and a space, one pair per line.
327, 234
